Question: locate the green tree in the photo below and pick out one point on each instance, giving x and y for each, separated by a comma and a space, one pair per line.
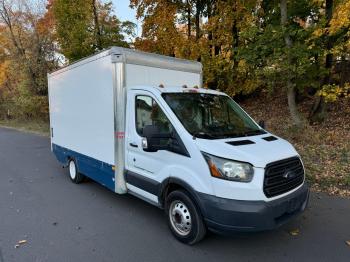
84, 27
281, 45
27, 43
280, 51
159, 31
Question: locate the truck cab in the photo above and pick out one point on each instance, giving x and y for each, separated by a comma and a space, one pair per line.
239, 176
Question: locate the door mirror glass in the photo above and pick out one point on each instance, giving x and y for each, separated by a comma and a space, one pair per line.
152, 125
154, 140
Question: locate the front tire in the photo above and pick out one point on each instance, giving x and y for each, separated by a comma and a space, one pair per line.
74, 174
184, 219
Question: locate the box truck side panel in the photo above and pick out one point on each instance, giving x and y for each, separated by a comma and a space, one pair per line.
153, 76
82, 117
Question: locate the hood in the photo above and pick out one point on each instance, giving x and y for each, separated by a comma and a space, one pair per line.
258, 150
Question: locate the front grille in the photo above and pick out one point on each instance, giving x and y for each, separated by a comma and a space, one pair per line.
282, 176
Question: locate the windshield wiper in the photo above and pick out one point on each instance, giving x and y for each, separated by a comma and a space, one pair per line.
254, 132
243, 134
227, 135
202, 135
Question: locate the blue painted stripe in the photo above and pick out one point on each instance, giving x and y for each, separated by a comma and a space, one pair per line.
95, 169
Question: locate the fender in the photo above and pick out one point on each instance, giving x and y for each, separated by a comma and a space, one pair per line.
179, 182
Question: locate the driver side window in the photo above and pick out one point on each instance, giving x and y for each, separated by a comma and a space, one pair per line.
148, 112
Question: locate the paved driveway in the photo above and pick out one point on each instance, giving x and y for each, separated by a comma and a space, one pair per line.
66, 222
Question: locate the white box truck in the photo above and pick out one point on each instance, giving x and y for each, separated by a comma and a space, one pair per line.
142, 124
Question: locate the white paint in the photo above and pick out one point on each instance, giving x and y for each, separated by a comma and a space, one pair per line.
151, 76
81, 109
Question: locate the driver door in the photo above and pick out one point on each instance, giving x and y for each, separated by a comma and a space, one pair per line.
146, 167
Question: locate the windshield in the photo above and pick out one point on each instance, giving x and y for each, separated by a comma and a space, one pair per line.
211, 116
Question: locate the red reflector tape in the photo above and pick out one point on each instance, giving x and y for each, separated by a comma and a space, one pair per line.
120, 135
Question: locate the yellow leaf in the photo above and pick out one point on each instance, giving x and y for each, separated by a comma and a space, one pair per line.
22, 242
294, 232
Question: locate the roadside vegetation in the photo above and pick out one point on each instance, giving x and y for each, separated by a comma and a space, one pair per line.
324, 147
40, 127
287, 61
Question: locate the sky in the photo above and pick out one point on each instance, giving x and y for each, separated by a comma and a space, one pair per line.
124, 12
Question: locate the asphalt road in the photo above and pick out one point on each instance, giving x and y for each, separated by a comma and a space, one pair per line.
62, 221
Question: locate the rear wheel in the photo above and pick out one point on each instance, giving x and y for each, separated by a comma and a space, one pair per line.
74, 175
184, 218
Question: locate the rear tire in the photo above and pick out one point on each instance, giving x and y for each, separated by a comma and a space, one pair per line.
184, 218
74, 174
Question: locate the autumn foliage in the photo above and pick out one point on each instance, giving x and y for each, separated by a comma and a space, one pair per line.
300, 48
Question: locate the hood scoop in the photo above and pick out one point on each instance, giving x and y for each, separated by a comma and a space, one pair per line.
270, 138
240, 142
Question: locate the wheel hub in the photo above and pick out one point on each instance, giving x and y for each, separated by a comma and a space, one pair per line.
180, 218
72, 169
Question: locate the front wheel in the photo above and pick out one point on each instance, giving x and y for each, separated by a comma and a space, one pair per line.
184, 218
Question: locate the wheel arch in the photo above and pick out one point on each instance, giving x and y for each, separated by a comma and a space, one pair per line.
171, 184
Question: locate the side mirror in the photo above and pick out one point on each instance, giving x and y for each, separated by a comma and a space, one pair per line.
262, 124
151, 142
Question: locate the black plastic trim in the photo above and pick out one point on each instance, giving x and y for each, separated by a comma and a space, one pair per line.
270, 138
276, 171
227, 216
176, 181
149, 185
240, 142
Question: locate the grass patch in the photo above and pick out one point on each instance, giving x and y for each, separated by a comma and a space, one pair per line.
40, 127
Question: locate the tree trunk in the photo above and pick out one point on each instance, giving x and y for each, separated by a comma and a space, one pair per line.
188, 19
212, 12
97, 26
319, 106
197, 18
235, 37
290, 86
343, 70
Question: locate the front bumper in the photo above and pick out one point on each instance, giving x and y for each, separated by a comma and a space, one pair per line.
226, 215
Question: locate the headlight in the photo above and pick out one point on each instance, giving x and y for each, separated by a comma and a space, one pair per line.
229, 169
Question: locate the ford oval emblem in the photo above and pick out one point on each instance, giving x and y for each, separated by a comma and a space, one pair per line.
289, 174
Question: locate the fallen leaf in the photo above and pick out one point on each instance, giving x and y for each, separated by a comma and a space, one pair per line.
21, 242
294, 232
348, 242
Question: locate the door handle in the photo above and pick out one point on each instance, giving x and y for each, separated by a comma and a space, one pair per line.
133, 145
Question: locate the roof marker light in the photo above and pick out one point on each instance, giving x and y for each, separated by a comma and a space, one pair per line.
190, 91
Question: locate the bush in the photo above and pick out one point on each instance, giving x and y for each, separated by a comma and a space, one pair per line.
32, 107
25, 107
